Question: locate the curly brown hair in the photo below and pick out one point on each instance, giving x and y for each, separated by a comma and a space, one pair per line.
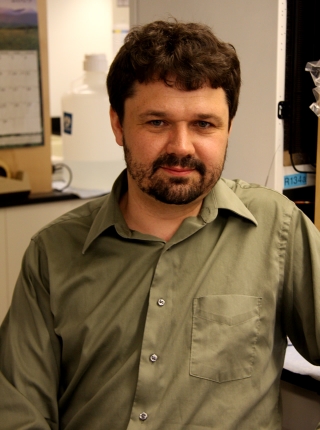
184, 55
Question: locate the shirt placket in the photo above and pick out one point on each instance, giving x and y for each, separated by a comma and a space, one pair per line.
152, 366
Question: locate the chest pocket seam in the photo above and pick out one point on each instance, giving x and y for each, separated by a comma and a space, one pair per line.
223, 346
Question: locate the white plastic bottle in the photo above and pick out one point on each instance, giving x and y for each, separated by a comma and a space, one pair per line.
89, 146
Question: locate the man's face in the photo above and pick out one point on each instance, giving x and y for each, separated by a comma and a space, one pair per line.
174, 141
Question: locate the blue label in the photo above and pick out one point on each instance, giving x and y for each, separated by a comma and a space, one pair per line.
67, 122
295, 180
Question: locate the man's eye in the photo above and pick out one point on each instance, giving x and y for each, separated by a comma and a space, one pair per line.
156, 122
204, 124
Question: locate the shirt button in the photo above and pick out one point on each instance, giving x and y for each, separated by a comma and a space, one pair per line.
153, 358
143, 416
161, 302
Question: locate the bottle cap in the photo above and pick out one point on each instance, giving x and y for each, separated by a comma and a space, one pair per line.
95, 63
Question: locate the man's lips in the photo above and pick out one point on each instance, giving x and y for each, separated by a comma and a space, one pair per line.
178, 166
177, 170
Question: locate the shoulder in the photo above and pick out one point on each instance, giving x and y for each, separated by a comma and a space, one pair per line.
80, 218
270, 208
254, 195
273, 211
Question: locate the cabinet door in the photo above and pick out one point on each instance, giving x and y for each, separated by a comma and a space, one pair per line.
3, 267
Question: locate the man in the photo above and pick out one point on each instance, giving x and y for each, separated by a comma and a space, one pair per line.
166, 304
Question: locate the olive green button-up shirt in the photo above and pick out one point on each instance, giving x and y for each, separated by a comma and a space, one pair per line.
113, 329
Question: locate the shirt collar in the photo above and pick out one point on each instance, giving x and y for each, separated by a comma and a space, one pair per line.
109, 213
220, 197
223, 197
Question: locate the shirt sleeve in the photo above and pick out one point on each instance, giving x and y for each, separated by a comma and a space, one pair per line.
301, 294
29, 351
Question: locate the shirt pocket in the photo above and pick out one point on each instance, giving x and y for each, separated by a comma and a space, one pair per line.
225, 330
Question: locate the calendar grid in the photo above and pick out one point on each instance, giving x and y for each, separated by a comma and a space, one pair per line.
21, 116
20, 107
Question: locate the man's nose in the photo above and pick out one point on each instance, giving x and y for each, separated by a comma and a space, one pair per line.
180, 141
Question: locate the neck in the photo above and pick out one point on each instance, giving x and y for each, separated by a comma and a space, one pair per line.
149, 216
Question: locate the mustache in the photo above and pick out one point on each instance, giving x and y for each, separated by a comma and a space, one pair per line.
172, 160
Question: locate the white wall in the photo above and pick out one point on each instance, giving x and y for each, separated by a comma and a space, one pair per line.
257, 30
75, 28
79, 27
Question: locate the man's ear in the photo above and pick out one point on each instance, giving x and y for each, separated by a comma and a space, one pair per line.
116, 127
230, 126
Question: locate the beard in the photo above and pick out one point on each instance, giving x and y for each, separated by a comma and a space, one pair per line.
172, 190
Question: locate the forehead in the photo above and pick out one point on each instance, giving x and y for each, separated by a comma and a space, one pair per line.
158, 95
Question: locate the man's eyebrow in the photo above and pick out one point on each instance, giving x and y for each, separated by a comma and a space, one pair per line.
153, 113
210, 117
164, 113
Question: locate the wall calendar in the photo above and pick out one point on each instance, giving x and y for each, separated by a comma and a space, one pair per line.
20, 83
